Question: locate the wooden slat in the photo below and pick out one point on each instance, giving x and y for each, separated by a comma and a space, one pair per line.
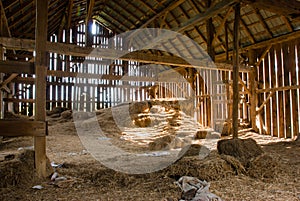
17, 128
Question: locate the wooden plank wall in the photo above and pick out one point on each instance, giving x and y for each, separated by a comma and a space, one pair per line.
278, 74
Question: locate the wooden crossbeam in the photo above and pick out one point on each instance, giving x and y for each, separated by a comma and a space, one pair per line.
105, 53
15, 128
262, 44
265, 102
16, 67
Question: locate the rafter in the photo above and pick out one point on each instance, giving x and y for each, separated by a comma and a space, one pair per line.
221, 26
4, 28
288, 23
210, 12
263, 22
173, 5
248, 32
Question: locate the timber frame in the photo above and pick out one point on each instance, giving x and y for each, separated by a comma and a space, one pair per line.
253, 46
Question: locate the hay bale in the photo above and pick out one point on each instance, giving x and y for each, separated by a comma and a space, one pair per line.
66, 114
139, 107
263, 167
20, 169
161, 143
211, 168
242, 149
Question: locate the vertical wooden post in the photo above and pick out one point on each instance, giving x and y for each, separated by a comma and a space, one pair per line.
274, 97
280, 93
40, 84
253, 86
1, 80
235, 76
287, 57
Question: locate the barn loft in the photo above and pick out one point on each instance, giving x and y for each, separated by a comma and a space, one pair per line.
242, 68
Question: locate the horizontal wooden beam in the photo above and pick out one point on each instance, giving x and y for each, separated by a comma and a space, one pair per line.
16, 67
105, 53
13, 128
265, 43
284, 88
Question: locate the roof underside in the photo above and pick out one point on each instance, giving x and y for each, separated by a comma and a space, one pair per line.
261, 19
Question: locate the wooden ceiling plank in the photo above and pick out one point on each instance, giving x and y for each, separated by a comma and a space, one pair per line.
173, 5
288, 23
248, 32
112, 21
263, 22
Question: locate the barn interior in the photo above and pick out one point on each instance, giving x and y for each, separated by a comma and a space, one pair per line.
167, 82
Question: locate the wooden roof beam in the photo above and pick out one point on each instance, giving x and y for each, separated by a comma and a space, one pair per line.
262, 44
114, 21
288, 23
4, 28
249, 34
173, 5
209, 13
90, 5
263, 22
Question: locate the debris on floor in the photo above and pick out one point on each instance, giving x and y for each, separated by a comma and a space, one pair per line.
194, 189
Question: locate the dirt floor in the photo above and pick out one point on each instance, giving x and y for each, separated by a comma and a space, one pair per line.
272, 176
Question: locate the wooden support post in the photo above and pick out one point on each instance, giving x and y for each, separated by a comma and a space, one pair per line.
236, 62
274, 97
40, 85
287, 99
253, 86
280, 93
1, 80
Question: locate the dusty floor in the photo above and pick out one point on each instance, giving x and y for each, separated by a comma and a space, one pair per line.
87, 179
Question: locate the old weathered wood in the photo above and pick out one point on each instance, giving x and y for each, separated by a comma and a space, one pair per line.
294, 94
259, 109
17, 67
210, 12
106, 53
40, 85
287, 76
264, 43
1, 80
274, 98
235, 77
13, 128
280, 93
268, 104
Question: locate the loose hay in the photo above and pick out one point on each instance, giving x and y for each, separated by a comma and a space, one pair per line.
20, 169
212, 168
242, 149
263, 167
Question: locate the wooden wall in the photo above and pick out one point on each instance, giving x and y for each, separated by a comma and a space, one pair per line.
278, 90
